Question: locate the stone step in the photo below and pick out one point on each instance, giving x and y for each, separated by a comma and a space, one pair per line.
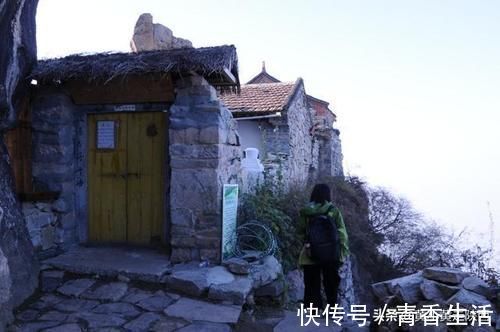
215, 283
135, 264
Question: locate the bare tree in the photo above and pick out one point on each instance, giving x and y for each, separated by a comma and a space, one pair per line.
388, 212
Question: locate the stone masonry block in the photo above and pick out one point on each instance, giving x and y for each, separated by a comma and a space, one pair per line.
183, 242
212, 255
183, 217
181, 231
180, 255
59, 154
211, 151
193, 163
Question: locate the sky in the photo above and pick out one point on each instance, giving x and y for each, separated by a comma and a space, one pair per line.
415, 84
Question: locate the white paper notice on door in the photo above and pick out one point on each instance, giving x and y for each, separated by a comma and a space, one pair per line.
106, 135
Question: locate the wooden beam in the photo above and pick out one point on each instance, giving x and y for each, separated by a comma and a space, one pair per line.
124, 90
229, 76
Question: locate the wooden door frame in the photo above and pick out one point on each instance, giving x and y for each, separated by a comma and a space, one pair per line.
81, 165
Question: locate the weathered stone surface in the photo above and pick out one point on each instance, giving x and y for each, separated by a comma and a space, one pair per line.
295, 285
123, 309
27, 315
143, 322
219, 275
51, 279
149, 36
266, 272
64, 328
263, 319
47, 301
102, 320
37, 326
445, 274
192, 282
291, 322
206, 327
181, 43
61, 205
76, 305
476, 285
433, 290
38, 220
135, 295
407, 287
155, 303
107, 292
198, 119
54, 316
237, 266
273, 289
194, 310
168, 324
76, 287
47, 236
18, 265
464, 296
235, 291
137, 264
162, 37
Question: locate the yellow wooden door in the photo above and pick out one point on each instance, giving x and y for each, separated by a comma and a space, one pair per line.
107, 166
145, 194
126, 200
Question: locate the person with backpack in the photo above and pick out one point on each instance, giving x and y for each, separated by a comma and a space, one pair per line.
326, 247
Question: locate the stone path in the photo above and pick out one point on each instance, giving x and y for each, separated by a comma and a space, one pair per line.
94, 289
87, 304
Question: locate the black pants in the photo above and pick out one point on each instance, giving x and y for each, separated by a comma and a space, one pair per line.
312, 284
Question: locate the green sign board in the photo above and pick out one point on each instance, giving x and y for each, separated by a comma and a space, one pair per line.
229, 216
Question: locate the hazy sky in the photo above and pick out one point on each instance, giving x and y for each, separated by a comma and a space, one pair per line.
415, 84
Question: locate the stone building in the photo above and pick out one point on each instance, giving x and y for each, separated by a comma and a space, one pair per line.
292, 130
129, 148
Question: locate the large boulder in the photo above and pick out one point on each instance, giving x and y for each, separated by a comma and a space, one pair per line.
295, 285
445, 274
476, 285
407, 288
266, 272
18, 265
149, 36
436, 291
465, 297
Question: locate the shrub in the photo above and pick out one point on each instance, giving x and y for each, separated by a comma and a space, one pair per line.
278, 210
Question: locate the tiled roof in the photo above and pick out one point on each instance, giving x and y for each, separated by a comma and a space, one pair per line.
263, 77
262, 98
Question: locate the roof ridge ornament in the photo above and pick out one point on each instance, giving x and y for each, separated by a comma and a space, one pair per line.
264, 66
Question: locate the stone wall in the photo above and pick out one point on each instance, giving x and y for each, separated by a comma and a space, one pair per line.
287, 142
205, 154
46, 223
52, 225
337, 157
329, 153
300, 122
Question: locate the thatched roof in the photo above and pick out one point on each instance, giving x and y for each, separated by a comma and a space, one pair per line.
219, 65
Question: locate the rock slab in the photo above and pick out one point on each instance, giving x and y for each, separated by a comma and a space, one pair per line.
445, 274
194, 310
